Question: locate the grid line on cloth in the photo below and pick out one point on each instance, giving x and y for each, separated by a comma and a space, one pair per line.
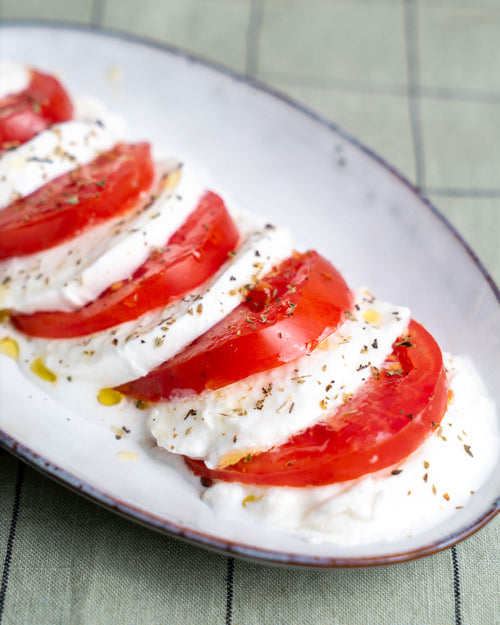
456, 586
473, 193
253, 37
97, 12
229, 590
361, 86
411, 44
462, 95
12, 534
412, 51
339, 84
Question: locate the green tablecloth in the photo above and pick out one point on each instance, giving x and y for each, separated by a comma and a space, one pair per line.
418, 81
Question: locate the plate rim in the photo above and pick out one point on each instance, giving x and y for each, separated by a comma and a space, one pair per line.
227, 547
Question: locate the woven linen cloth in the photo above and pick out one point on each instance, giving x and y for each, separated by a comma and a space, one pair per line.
418, 82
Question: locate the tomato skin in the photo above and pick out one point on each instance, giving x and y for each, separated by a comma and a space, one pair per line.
385, 422
107, 187
192, 254
286, 315
25, 114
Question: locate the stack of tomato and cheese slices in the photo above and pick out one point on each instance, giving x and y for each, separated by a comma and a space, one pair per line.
284, 314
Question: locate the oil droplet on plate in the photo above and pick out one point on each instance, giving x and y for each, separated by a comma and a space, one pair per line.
127, 456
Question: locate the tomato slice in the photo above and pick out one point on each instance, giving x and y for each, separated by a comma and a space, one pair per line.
192, 255
379, 427
67, 206
25, 114
286, 315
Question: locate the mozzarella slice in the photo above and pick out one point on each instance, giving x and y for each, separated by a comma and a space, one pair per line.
72, 274
265, 409
50, 154
431, 483
89, 109
132, 349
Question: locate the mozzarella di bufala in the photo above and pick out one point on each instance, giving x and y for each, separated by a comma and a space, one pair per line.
133, 293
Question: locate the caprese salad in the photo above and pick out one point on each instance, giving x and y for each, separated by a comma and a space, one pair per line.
292, 396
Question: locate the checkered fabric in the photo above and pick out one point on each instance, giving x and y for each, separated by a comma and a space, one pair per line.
419, 82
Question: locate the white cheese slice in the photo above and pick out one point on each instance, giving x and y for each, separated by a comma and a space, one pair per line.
50, 154
89, 109
72, 274
439, 477
132, 349
265, 409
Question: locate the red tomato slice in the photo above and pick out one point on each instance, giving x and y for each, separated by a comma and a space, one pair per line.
25, 114
380, 426
286, 315
64, 208
192, 255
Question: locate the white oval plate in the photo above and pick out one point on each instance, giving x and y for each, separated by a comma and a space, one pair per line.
295, 169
